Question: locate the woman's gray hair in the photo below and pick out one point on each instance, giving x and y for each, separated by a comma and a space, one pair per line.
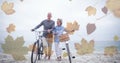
60, 20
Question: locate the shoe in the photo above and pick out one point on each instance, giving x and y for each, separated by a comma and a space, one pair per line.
57, 58
60, 58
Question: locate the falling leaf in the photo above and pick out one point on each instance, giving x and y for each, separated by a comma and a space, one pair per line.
8, 8
77, 46
110, 50
91, 10
75, 25
90, 28
65, 54
114, 6
104, 10
11, 28
85, 47
116, 38
15, 47
72, 27
69, 26
117, 12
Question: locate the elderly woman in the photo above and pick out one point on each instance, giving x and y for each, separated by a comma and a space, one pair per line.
58, 31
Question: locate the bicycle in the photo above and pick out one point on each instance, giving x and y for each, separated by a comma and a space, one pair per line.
37, 50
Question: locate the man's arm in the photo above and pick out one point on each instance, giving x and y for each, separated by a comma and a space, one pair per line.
38, 26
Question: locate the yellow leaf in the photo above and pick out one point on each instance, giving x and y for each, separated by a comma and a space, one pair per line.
15, 47
110, 50
116, 38
117, 12
75, 26
11, 28
85, 47
72, 27
91, 10
8, 8
65, 54
114, 6
77, 46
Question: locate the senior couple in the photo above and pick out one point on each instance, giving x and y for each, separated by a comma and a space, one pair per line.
49, 25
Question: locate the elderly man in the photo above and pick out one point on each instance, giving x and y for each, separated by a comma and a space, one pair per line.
48, 25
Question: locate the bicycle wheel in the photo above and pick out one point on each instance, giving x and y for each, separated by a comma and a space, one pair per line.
34, 54
68, 51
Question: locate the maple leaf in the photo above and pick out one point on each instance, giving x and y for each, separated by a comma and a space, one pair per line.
85, 47
110, 50
77, 46
75, 25
15, 47
114, 6
117, 12
91, 10
8, 8
72, 27
11, 28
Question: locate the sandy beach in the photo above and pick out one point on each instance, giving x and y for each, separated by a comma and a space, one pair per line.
88, 58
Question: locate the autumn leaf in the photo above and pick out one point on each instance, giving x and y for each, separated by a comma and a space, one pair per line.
90, 28
69, 26
75, 25
116, 38
91, 10
114, 6
72, 27
110, 50
8, 8
15, 47
85, 47
65, 54
117, 12
77, 46
104, 10
11, 28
